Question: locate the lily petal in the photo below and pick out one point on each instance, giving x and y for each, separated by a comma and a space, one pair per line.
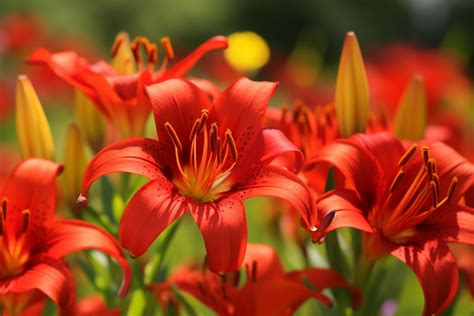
135, 155
277, 182
182, 67
436, 270
323, 279
154, 207
50, 276
178, 102
451, 223
68, 236
223, 226
264, 259
32, 186
451, 164
277, 296
348, 212
241, 108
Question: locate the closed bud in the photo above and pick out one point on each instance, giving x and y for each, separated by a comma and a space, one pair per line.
75, 162
122, 55
32, 128
410, 119
352, 89
91, 121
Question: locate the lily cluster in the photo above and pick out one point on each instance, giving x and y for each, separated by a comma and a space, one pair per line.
385, 173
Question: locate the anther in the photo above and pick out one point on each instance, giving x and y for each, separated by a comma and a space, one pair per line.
232, 146
202, 120
425, 154
305, 113
4, 208
152, 53
26, 221
284, 113
174, 137
327, 219
452, 188
213, 136
407, 156
165, 41
254, 271
397, 180
116, 45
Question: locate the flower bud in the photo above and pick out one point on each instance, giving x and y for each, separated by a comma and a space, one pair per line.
410, 119
32, 128
91, 121
352, 91
75, 162
122, 55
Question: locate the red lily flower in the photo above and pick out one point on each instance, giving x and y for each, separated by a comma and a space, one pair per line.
32, 243
121, 98
209, 157
268, 290
408, 204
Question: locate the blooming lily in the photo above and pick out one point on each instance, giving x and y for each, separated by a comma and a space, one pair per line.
268, 290
407, 203
209, 157
32, 243
120, 96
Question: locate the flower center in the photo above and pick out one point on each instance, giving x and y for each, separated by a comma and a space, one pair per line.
12, 251
203, 169
419, 201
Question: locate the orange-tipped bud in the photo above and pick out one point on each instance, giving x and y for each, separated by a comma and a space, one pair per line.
410, 120
91, 121
352, 89
122, 55
75, 162
32, 128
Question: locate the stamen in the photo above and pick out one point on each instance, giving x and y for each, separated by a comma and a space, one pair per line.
232, 146
194, 129
431, 168
305, 114
165, 41
174, 136
219, 149
407, 156
284, 113
2, 220
236, 278
434, 194
452, 188
397, 180
436, 181
26, 221
327, 219
426, 155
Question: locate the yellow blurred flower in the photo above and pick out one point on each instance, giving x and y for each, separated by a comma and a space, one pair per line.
247, 51
32, 128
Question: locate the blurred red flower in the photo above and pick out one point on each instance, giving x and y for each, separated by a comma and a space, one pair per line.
268, 290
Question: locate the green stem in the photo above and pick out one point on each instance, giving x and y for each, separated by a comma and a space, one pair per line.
154, 267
